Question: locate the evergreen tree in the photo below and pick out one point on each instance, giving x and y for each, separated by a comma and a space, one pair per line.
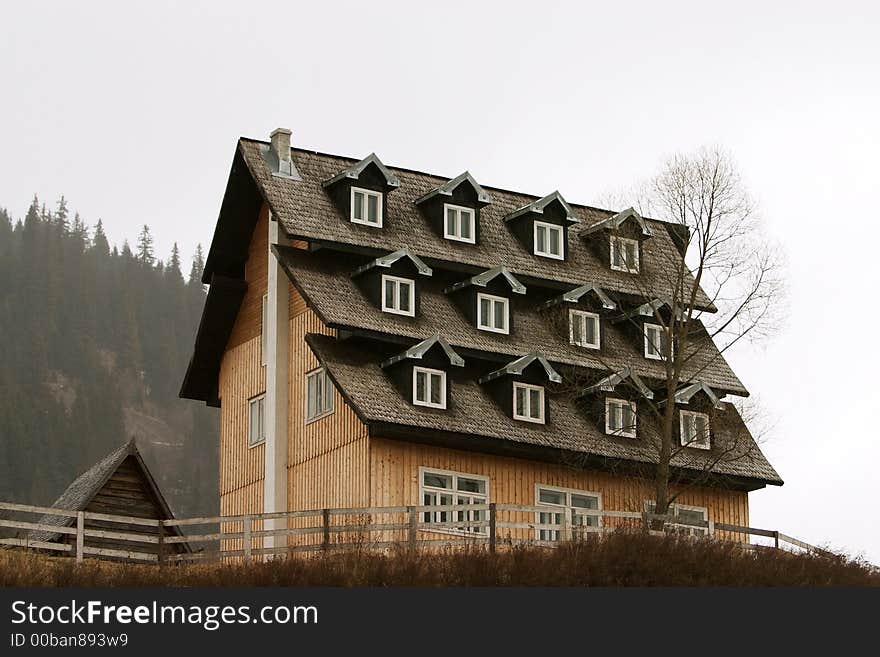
198, 267
145, 246
99, 240
173, 268
61, 215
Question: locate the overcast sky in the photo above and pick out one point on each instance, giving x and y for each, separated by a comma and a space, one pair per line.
132, 113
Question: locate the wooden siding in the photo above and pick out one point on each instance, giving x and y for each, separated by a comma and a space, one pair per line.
241, 467
394, 473
249, 321
327, 458
126, 493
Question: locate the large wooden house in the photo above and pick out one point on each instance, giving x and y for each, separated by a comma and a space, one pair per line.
376, 336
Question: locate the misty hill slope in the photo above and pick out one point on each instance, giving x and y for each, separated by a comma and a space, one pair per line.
93, 345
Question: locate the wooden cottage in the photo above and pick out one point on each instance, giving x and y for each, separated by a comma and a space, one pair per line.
120, 484
376, 336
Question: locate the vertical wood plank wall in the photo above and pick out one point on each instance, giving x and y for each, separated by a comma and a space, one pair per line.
394, 473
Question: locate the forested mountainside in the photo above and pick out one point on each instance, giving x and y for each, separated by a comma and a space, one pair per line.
94, 342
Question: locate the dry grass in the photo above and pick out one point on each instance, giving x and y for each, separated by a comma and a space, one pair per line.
619, 559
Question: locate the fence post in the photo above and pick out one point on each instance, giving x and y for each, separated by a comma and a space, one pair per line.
412, 529
160, 546
80, 535
248, 538
776, 539
492, 527
712, 528
565, 530
645, 522
326, 516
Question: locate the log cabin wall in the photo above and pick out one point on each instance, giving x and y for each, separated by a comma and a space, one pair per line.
126, 493
394, 477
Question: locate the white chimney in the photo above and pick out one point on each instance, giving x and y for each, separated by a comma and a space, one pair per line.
280, 138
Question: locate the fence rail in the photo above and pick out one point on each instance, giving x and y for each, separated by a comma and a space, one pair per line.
247, 536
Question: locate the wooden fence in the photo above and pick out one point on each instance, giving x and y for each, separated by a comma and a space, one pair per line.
251, 536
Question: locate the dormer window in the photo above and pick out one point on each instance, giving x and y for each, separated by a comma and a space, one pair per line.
656, 344
694, 429
459, 223
583, 329
624, 254
366, 207
528, 403
398, 295
492, 313
429, 387
620, 417
548, 240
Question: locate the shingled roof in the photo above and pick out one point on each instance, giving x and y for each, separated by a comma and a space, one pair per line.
473, 413
305, 211
340, 304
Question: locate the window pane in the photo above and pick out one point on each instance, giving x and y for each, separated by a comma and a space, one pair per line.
450, 222
550, 497
437, 480
554, 242
470, 486
436, 389
404, 290
584, 501
421, 382
500, 312
614, 416
590, 329
310, 397
628, 418
702, 428
577, 328
615, 253
373, 209
630, 255
520, 401
390, 289
466, 221
535, 410
358, 205
541, 237
485, 312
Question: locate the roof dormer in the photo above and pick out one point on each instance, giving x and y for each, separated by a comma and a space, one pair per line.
454, 207
542, 226
696, 404
577, 315
519, 387
617, 240
361, 190
421, 372
613, 402
485, 299
389, 282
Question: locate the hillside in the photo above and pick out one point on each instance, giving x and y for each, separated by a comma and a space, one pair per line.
93, 344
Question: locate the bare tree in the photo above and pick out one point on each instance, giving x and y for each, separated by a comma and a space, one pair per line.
721, 285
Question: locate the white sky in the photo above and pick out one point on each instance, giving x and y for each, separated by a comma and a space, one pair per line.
133, 111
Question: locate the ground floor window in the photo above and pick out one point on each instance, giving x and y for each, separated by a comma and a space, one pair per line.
686, 514
562, 502
453, 489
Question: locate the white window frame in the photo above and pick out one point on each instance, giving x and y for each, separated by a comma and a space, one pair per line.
580, 315
398, 281
549, 227
517, 385
264, 333
553, 534
429, 373
617, 242
258, 402
458, 210
379, 207
706, 441
687, 530
493, 299
621, 432
329, 394
436, 516
651, 345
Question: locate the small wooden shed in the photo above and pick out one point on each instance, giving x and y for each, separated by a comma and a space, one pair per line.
119, 484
